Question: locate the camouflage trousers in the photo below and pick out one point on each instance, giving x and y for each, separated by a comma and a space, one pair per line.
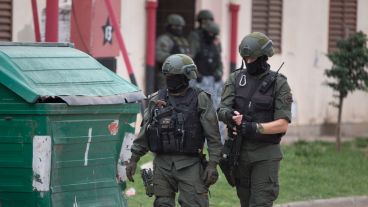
209, 85
257, 183
187, 181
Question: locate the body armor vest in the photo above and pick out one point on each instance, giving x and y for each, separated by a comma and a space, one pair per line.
208, 58
257, 106
181, 45
176, 128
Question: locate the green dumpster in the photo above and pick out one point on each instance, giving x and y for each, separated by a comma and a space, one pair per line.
63, 119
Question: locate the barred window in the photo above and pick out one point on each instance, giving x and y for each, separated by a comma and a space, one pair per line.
342, 21
5, 20
267, 18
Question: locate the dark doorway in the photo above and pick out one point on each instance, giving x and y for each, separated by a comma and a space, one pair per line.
184, 8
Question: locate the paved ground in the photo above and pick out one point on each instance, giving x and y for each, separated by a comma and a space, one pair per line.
356, 201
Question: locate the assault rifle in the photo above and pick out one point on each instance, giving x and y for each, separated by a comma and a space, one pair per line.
231, 154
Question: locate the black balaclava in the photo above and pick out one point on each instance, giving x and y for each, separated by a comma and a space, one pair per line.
177, 83
259, 66
208, 38
175, 30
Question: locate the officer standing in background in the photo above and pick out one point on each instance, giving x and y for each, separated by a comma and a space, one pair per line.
209, 63
257, 102
176, 124
204, 17
171, 42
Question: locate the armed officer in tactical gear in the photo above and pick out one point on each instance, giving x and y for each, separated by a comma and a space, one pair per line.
176, 124
256, 106
169, 43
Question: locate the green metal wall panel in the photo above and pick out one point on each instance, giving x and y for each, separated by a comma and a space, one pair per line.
16, 150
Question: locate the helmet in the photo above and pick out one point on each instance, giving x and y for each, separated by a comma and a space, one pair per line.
180, 64
212, 28
204, 14
256, 44
175, 19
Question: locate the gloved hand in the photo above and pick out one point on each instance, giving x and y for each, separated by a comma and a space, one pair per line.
199, 78
217, 78
248, 129
131, 166
210, 174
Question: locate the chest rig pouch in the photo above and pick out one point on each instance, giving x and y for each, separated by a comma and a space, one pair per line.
253, 100
175, 128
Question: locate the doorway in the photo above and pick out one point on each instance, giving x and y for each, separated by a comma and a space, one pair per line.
184, 8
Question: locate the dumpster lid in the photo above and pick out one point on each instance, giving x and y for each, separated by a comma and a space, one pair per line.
38, 71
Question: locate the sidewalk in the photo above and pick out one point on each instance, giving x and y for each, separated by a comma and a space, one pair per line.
356, 201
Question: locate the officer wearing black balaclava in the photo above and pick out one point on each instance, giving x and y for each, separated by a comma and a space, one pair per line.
177, 122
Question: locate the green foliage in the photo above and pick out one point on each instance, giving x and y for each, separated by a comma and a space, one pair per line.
309, 170
348, 71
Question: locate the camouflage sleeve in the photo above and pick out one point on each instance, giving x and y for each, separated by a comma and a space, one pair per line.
194, 39
283, 99
210, 126
227, 100
164, 46
140, 145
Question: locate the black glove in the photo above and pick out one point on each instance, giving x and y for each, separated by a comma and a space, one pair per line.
199, 78
230, 131
210, 174
131, 166
248, 129
217, 78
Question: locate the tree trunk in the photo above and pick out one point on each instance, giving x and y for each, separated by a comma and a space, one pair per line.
338, 126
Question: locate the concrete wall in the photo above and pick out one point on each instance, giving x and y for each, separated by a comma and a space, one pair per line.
304, 48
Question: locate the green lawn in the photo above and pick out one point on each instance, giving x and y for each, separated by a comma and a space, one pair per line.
309, 171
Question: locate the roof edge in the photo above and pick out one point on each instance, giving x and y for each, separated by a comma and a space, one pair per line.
40, 44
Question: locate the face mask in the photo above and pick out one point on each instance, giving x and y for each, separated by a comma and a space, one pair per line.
208, 38
259, 66
176, 83
175, 30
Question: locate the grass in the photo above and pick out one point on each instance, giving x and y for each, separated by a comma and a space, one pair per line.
310, 170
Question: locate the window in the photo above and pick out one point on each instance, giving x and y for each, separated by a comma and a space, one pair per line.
342, 21
5, 20
267, 18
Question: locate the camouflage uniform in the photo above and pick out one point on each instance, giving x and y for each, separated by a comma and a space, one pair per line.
180, 172
257, 174
168, 44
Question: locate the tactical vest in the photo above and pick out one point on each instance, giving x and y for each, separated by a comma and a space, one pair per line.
257, 106
176, 128
208, 58
181, 45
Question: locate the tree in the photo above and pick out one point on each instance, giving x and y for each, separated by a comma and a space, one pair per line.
348, 72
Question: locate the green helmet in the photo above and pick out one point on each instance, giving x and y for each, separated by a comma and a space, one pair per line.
175, 19
204, 14
180, 64
212, 27
255, 45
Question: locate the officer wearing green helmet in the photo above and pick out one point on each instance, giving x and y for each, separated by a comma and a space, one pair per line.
177, 122
171, 42
256, 106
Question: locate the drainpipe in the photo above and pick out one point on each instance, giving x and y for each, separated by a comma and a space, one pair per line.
52, 22
151, 8
121, 43
234, 9
35, 21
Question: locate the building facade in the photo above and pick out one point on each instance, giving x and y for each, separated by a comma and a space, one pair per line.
303, 32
